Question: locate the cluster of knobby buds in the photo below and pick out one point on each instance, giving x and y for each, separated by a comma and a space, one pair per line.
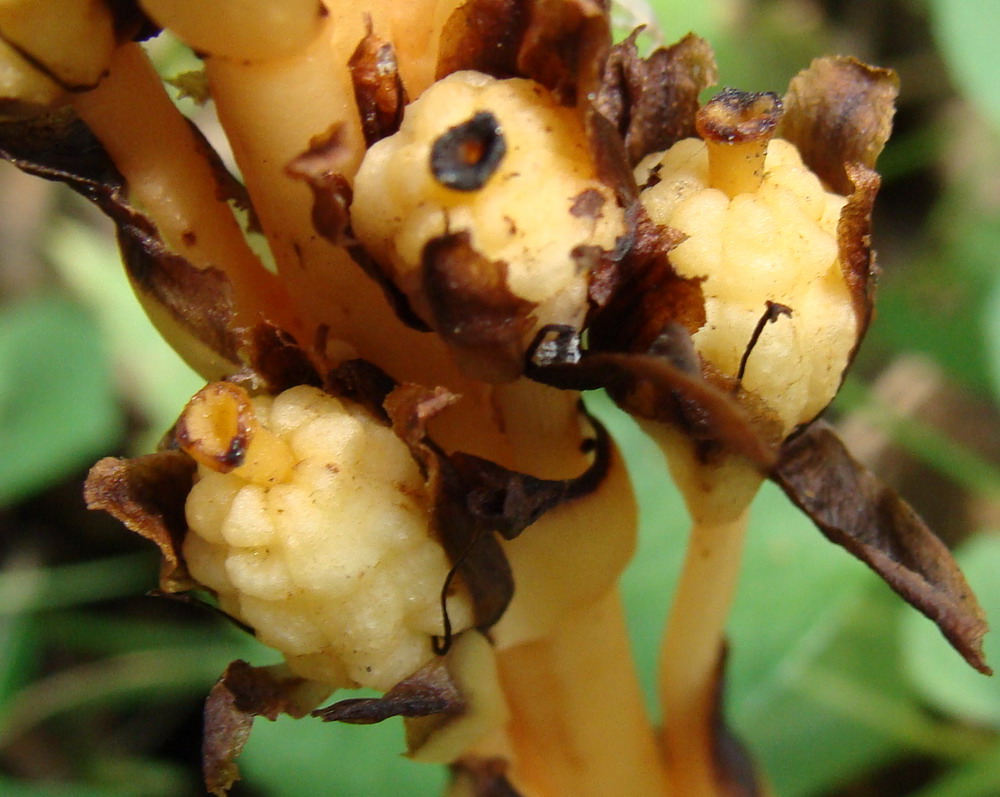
477, 210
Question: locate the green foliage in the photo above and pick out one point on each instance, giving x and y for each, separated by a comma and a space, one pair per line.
57, 406
966, 31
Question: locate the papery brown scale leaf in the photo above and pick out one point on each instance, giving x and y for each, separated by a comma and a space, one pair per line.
320, 168
482, 777
649, 293
60, 147
509, 502
363, 383
378, 87
241, 694
854, 229
279, 363
474, 552
858, 512
565, 45
147, 495
200, 299
473, 499
472, 308
228, 187
664, 384
227, 730
839, 111
652, 101
735, 773
483, 35
429, 691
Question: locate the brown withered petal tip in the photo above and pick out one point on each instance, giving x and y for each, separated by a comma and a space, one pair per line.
652, 101
486, 777
60, 147
242, 693
147, 495
483, 35
474, 499
735, 773
858, 512
839, 111
471, 306
378, 87
430, 690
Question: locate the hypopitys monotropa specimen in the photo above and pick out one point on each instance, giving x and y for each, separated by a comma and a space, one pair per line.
476, 210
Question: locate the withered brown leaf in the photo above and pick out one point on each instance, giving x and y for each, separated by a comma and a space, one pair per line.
839, 111
429, 691
483, 777
378, 87
858, 512
652, 101
147, 495
60, 147
241, 694
473, 499
484, 35
473, 309
664, 383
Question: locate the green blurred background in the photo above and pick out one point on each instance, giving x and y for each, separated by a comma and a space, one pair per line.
838, 688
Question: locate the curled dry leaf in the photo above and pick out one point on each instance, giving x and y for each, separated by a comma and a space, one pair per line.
482, 777
652, 101
430, 690
447, 705
858, 512
378, 88
320, 167
147, 495
665, 384
857, 259
735, 772
838, 112
646, 294
485, 36
474, 498
60, 147
242, 693
472, 308
561, 44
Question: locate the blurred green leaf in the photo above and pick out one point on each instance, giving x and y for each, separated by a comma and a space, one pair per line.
292, 758
18, 788
33, 589
939, 304
802, 610
813, 681
677, 18
942, 677
148, 371
978, 778
966, 32
125, 680
57, 410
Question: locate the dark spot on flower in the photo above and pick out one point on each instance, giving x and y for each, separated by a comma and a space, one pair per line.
467, 155
588, 203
